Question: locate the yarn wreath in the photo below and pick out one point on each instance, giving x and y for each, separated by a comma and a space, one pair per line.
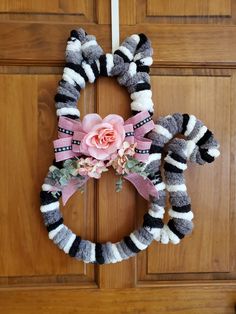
86, 148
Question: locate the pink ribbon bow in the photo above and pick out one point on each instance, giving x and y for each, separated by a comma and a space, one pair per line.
71, 135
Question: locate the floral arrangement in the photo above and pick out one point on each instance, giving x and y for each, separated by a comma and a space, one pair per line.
89, 147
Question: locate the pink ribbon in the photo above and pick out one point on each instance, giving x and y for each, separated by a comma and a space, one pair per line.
71, 134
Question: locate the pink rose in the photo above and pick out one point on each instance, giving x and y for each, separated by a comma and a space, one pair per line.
103, 136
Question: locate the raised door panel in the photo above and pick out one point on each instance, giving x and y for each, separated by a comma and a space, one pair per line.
28, 123
207, 253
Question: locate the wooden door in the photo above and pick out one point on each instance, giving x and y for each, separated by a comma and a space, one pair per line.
194, 71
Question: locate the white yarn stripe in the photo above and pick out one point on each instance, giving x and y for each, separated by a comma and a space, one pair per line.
73, 45
187, 216
98, 65
154, 231
75, 76
142, 104
164, 237
157, 214
116, 253
163, 131
132, 68
126, 52
190, 146
89, 72
64, 111
89, 44
213, 152
49, 207
200, 134
153, 157
175, 163
147, 61
93, 254
143, 93
68, 245
157, 234
160, 186
46, 187
138, 56
172, 236
68, 79
139, 244
110, 63
52, 233
176, 188
190, 125
136, 38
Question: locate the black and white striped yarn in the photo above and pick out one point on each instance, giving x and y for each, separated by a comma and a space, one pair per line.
85, 62
130, 63
199, 147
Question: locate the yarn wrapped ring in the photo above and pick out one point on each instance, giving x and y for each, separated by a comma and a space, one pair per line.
85, 61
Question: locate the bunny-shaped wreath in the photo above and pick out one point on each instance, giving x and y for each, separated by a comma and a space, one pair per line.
133, 148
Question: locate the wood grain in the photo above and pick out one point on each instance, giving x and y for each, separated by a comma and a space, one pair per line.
44, 44
186, 300
28, 135
116, 211
188, 8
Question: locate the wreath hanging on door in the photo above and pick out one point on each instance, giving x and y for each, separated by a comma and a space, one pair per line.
86, 148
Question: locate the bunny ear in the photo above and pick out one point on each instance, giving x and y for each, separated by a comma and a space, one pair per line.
136, 74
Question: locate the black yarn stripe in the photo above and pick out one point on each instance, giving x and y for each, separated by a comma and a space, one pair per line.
154, 149
103, 65
63, 98
205, 156
143, 39
94, 67
155, 176
48, 198
122, 55
71, 116
75, 246
185, 122
134, 112
130, 244
178, 158
149, 221
77, 87
205, 138
74, 33
78, 69
58, 164
171, 168
171, 225
142, 86
143, 68
98, 253
55, 225
182, 209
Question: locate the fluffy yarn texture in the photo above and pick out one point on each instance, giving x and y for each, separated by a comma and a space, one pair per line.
85, 61
199, 147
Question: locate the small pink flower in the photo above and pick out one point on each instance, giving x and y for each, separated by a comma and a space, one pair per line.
103, 136
91, 167
118, 161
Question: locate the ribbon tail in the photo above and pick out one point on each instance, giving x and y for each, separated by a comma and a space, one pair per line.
71, 188
144, 186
